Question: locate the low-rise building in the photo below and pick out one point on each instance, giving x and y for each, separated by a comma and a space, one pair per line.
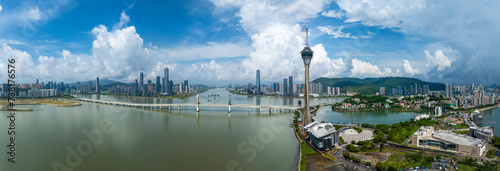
418, 117
426, 137
485, 133
322, 135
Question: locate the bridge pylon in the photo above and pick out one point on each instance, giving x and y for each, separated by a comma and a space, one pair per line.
229, 111
197, 103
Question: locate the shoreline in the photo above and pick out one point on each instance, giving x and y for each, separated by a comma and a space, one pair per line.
45, 101
187, 96
392, 110
268, 95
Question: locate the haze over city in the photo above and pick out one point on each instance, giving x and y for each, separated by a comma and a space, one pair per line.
225, 41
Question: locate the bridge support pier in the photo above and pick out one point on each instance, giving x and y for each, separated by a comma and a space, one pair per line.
197, 104
281, 110
260, 110
248, 109
179, 108
229, 111
270, 110
143, 107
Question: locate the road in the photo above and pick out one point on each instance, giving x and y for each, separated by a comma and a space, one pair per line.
471, 124
347, 162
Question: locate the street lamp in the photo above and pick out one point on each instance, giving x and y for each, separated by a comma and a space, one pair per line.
307, 55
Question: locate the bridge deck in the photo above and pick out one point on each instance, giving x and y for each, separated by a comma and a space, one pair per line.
185, 104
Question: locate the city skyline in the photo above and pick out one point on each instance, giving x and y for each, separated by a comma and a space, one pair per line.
229, 44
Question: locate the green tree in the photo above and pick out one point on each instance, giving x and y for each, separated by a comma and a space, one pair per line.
379, 166
491, 153
368, 164
495, 141
346, 154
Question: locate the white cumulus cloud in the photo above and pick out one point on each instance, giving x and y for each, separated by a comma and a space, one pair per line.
335, 32
118, 53
33, 14
332, 14
388, 13
124, 19
23, 62
408, 68
457, 25
364, 69
437, 60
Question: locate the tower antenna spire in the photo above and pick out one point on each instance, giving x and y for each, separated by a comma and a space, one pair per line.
307, 33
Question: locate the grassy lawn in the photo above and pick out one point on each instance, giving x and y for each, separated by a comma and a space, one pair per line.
401, 160
305, 150
462, 167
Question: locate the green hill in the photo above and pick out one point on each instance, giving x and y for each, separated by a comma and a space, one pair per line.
372, 85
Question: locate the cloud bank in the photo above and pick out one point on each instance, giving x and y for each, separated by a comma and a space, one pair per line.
276, 31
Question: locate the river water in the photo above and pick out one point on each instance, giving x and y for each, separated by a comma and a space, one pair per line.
492, 115
372, 117
105, 137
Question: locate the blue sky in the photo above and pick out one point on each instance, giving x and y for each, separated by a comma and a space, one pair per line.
225, 41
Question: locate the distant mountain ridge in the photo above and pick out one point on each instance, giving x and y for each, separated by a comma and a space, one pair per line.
372, 85
102, 82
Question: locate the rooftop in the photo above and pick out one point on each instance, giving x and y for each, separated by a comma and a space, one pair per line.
310, 125
424, 131
322, 129
458, 139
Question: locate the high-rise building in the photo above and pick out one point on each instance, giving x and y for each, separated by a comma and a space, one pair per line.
337, 90
170, 86
449, 90
141, 79
36, 81
290, 86
158, 84
382, 90
136, 88
97, 86
416, 89
186, 86
166, 89
257, 82
90, 86
276, 87
150, 88
285, 87
426, 90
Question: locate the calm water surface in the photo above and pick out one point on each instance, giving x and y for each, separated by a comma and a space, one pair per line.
373, 117
137, 139
492, 115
